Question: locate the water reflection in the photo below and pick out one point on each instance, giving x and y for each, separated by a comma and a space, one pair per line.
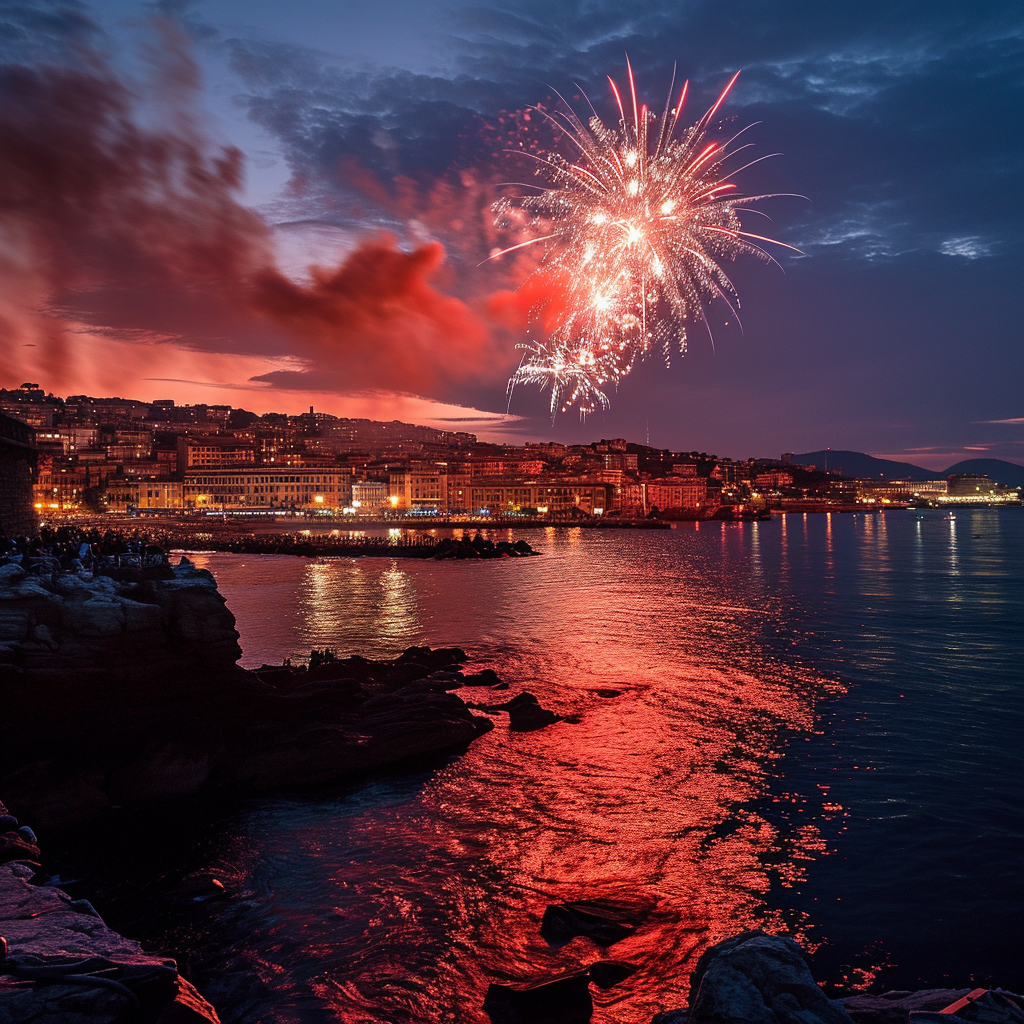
649, 797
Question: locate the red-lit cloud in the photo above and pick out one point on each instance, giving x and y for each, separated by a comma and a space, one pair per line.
121, 222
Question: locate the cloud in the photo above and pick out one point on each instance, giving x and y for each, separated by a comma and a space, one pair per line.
120, 219
377, 317
970, 248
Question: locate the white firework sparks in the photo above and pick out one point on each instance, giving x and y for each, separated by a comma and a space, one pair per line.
637, 227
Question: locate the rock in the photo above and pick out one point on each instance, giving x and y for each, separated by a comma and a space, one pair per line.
524, 713
49, 937
901, 1006
754, 978
165, 771
125, 691
599, 921
608, 973
55, 796
11, 573
16, 847
436, 658
485, 677
608, 694
447, 680
562, 1000
895, 1007
528, 717
405, 672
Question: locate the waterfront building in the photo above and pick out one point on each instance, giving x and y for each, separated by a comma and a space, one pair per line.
369, 497
423, 486
683, 495
253, 486
553, 497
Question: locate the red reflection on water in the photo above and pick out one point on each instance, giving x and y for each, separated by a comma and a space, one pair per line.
646, 801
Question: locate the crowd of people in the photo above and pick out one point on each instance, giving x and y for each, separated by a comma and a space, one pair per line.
73, 549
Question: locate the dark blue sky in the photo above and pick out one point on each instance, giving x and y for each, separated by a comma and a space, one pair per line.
898, 332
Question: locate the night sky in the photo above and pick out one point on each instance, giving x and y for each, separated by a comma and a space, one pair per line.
170, 171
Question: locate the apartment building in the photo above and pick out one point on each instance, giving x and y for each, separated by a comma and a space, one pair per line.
267, 487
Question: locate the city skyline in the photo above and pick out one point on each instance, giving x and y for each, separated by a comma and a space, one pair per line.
896, 334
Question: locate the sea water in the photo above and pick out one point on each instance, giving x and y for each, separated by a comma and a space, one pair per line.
811, 725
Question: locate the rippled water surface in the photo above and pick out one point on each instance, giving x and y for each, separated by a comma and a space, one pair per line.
812, 724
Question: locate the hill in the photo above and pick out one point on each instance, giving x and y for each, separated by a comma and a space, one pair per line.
1000, 470
857, 464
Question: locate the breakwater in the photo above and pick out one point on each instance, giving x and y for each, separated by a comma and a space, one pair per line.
317, 545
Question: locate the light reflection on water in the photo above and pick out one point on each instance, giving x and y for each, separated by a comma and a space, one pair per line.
444, 892
402, 900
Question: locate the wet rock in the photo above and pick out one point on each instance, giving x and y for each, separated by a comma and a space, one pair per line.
16, 847
608, 694
404, 672
49, 937
485, 677
990, 1007
609, 973
447, 680
528, 716
562, 1000
434, 659
524, 713
599, 921
894, 1007
753, 978
414, 721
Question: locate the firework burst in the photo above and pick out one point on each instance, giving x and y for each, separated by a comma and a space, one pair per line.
637, 224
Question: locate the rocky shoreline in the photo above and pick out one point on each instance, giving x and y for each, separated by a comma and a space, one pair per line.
124, 690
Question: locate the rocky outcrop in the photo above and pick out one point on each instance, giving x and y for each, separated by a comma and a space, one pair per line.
524, 713
59, 962
124, 690
562, 1000
167, 621
979, 1006
754, 978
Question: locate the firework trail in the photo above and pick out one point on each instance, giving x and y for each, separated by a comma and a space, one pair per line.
637, 223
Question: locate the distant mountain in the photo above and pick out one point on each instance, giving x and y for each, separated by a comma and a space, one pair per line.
1002, 472
867, 467
857, 464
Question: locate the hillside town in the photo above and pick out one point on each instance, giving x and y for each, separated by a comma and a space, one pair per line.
125, 456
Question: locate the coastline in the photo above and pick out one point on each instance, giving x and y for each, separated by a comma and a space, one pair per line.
890, 1008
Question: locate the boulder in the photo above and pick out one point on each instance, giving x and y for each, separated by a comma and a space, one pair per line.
754, 978
561, 1000
524, 713
485, 677
600, 921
